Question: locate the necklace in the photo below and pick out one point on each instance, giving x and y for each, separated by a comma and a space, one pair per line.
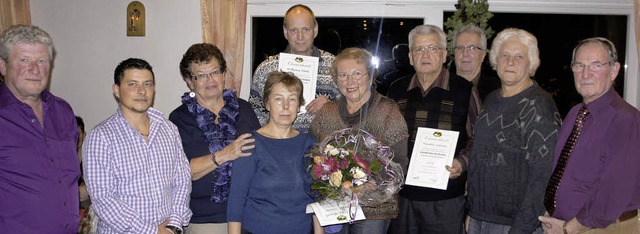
144, 135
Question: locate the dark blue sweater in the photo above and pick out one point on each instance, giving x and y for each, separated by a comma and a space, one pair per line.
269, 189
195, 145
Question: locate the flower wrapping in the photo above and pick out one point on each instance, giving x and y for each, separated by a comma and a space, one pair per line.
352, 161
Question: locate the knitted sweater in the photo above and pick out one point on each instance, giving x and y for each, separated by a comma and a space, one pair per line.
512, 158
383, 120
324, 86
443, 107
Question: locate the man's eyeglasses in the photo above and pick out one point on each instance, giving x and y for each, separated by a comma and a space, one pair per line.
596, 67
470, 48
203, 76
422, 49
356, 75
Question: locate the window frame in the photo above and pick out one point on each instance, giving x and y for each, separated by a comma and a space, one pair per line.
433, 12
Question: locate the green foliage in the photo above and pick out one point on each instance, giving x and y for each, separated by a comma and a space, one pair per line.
468, 11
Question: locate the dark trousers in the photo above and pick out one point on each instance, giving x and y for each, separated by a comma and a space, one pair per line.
438, 217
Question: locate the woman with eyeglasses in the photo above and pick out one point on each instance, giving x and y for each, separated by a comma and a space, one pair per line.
361, 107
514, 140
215, 127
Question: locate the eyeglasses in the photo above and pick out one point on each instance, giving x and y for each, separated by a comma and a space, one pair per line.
203, 76
356, 75
422, 49
471, 48
596, 67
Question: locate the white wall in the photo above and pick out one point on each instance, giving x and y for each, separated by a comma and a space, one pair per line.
90, 39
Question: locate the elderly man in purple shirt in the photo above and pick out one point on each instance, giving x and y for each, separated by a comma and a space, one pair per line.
598, 192
39, 166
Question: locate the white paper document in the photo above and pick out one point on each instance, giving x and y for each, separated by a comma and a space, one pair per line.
434, 148
330, 212
305, 68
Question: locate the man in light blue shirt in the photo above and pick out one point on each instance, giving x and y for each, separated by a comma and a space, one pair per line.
135, 169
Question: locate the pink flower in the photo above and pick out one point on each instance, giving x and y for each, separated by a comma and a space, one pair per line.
332, 163
360, 162
345, 163
317, 171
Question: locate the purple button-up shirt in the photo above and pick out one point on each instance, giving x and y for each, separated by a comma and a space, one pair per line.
601, 179
39, 166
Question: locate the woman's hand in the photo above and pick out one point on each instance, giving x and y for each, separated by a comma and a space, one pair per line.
204, 165
236, 149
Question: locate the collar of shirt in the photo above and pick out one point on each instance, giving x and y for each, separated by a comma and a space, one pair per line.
442, 81
156, 118
600, 105
476, 80
315, 52
7, 98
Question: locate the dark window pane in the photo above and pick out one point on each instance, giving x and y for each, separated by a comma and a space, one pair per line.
557, 36
376, 35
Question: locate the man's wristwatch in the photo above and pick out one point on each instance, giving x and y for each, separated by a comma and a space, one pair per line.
174, 229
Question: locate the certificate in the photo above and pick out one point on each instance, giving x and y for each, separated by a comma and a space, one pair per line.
305, 68
330, 212
434, 148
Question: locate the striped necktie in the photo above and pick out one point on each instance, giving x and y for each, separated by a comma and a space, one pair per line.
554, 181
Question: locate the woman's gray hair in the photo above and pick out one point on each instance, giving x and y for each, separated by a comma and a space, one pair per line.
426, 30
23, 34
528, 39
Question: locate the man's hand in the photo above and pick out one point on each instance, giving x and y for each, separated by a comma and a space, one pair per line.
162, 228
455, 169
551, 225
315, 105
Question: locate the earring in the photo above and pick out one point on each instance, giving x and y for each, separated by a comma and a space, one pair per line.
192, 94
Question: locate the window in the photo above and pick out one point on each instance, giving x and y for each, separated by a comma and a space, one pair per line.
557, 35
535, 17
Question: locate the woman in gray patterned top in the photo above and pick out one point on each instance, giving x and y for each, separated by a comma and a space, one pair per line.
514, 140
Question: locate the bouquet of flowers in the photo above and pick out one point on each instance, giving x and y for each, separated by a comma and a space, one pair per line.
352, 162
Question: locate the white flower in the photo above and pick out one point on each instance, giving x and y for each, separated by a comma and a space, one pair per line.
328, 148
358, 175
334, 152
343, 153
336, 179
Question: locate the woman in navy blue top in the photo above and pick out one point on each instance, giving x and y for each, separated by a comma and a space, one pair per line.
214, 126
273, 198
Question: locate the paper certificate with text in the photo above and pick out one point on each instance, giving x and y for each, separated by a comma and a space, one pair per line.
434, 148
330, 212
305, 68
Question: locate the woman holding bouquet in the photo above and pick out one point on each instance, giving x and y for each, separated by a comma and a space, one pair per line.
215, 127
269, 190
361, 107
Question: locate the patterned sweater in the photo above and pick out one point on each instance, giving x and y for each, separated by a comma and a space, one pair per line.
324, 86
512, 156
384, 121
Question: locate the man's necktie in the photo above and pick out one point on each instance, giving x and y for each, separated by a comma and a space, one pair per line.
554, 181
